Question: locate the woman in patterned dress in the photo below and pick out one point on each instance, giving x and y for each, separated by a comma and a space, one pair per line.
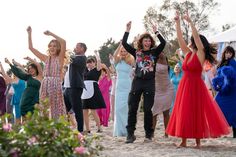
51, 85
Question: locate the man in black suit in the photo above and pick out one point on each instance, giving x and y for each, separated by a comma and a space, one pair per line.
74, 84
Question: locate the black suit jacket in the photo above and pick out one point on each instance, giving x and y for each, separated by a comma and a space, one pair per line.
76, 71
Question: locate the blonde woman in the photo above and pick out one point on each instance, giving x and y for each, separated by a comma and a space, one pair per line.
123, 65
51, 86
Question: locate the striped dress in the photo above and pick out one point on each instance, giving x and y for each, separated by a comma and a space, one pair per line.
51, 87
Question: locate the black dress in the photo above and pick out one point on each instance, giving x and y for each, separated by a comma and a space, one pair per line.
96, 101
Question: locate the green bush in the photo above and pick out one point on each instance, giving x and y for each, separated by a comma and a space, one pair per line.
40, 136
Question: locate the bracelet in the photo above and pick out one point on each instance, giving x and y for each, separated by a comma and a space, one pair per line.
157, 32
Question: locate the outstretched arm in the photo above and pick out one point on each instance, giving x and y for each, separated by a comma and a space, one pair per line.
162, 44
21, 74
181, 41
98, 60
196, 37
39, 67
62, 43
18, 65
128, 48
181, 59
38, 54
6, 77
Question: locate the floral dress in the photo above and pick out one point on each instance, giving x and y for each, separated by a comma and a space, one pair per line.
51, 87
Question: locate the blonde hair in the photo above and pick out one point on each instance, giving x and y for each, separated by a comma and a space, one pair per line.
58, 45
67, 59
106, 70
129, 59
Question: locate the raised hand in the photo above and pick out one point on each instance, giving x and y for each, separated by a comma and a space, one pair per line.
176, 18
186, 17
128, 26
13, 61
47, 32
7, 61
177, 51
30, 59
154, 28
27, 58
29, 29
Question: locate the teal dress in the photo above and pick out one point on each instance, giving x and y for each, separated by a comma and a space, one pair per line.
19, 88
30, 95
123, 86
175, 81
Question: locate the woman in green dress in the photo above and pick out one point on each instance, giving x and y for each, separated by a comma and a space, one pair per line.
33, 79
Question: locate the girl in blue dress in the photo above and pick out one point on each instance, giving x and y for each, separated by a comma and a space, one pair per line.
225, 85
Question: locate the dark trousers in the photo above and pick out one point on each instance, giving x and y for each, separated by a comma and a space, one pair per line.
139, 87
234, 132
72, 97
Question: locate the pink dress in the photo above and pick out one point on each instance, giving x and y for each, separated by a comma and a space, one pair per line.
104, 85
51, 87
164, 93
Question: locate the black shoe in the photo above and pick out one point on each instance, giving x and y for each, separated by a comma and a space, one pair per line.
234, 132
86, 132
147, 139
130, 138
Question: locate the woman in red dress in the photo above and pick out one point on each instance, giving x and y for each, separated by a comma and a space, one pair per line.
195, 113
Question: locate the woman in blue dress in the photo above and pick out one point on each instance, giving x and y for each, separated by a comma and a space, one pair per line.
176, 75
18, 86
123, 65
225, 85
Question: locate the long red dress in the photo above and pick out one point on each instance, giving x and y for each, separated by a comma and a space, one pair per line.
195, 114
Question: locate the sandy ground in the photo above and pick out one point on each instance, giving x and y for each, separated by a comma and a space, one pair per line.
161, 146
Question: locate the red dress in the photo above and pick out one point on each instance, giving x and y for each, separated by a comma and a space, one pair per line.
195, 114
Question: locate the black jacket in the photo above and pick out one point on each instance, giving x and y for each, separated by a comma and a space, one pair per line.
76, 71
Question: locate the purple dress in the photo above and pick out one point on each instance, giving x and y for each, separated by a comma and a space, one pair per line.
2, 96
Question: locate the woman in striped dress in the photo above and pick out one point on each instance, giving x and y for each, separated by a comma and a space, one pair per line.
51, 85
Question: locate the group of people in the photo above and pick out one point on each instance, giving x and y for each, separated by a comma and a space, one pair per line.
88, 86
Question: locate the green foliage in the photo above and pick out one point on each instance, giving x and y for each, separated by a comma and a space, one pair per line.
199, 13
41, 136
107, 48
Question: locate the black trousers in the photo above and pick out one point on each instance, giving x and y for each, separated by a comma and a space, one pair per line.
72, 98
139, 87
234, 132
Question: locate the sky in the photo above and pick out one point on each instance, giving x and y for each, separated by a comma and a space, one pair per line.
88, 21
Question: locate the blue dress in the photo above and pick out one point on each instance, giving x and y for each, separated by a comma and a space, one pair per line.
16, 98
175, 81
225, 85
123, 86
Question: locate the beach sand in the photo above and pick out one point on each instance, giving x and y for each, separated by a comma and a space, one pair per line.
162, 146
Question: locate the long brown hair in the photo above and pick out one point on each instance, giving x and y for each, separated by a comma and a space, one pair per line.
223, 61
144, 36
209, 49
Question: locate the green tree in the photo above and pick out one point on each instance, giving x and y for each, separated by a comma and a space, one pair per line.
199, 13
107, 48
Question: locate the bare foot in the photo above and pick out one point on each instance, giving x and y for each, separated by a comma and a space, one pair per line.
198, 146
182, 145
